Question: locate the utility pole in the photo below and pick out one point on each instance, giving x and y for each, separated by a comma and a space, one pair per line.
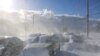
88, 12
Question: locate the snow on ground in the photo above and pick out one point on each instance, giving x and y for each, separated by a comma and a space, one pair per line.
71, 45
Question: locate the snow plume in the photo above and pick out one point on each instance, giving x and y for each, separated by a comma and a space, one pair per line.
13, 23
23, 22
